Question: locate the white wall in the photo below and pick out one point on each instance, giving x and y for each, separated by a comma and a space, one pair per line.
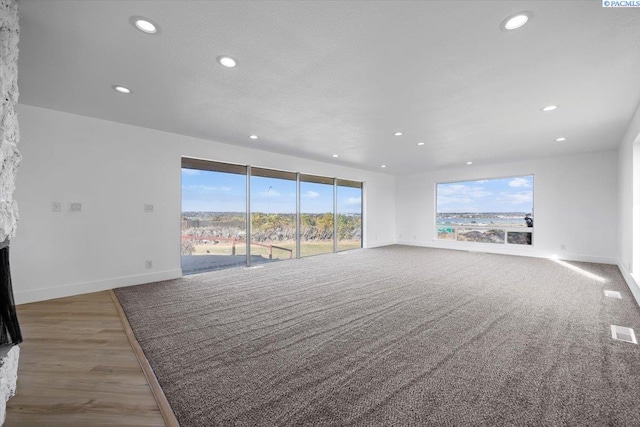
629, 209
575, 203
113, 170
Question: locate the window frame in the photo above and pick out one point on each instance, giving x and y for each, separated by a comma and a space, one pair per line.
507, 229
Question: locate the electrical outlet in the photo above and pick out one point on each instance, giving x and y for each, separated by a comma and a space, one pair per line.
149, 263
75, 207
56, 207
148, 208
563, 247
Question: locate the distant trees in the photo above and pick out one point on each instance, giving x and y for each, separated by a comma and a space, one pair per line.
349, 226
269, 227
266, 222
325, 222
187, 247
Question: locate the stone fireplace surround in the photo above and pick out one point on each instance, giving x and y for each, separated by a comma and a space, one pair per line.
9, 162
8, 375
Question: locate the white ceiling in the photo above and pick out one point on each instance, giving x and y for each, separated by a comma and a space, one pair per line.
316, 78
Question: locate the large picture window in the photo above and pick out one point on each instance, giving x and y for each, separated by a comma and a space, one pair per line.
498, 210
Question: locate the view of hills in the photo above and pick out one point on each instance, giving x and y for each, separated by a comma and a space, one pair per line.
272, 228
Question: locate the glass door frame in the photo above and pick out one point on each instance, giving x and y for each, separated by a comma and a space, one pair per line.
215, 166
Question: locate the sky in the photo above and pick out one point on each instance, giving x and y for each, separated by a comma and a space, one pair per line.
226, 192
514, 194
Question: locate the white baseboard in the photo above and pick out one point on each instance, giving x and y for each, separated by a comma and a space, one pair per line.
510, 250
632, 283
42, 294
586, 258
379, 244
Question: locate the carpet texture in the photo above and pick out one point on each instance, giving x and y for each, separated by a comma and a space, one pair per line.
394, 336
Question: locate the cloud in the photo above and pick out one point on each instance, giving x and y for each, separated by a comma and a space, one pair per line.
449, 200
478, 194
461, 196
484, 195
520, 183
462, 191
190, 172
311, 194
449, 189
354, 201
516, 198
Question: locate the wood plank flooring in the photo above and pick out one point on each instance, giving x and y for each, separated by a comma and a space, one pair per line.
77, 368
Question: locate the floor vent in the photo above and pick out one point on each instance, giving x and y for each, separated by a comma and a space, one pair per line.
623, 334
612, 294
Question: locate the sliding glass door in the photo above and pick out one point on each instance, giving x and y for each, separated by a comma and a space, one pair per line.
349, 213
236, 215
273, 215
316, 215
214, 210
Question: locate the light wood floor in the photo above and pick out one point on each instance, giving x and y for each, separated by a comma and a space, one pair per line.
77, 368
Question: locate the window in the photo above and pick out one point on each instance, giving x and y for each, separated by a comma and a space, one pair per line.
349, 214
486, 210
634, 266
241, 215
273, 215
214, 208
316, 215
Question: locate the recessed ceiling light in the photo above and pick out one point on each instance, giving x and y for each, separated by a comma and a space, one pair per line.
383, 166
420, 143
227, 61
121, 89
549, 108
515, 21
335, 155
144, 24
469, 163
397, 134
253, 136
561, 139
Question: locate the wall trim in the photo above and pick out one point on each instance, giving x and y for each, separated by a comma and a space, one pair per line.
632, 283
379, 244
528, 251
42, 294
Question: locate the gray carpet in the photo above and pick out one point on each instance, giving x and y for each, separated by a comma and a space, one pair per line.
393, 336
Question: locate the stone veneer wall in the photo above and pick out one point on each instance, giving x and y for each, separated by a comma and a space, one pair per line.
9, 162
8, 377
9, 133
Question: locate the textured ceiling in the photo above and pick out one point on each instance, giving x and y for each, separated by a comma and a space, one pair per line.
316, 78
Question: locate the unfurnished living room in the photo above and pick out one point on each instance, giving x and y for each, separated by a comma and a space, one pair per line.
319, 213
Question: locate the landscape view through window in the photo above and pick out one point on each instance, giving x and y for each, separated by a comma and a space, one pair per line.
496, 210
214, 217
